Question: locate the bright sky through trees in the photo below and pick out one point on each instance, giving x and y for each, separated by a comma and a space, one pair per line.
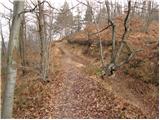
56, 3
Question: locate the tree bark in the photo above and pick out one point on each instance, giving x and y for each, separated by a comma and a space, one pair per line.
42, 41
115, 55
22, 44
148, 17
111, 22
7, 105
126, 28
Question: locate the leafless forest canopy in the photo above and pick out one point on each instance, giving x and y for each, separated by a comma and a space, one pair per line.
81, 59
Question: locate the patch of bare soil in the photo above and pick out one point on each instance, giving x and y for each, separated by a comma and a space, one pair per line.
76, 95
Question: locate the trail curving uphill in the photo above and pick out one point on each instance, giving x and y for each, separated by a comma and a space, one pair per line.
76, 95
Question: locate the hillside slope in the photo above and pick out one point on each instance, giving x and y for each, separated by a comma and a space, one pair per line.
73, 93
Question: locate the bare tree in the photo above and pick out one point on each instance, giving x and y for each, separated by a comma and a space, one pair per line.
126, 30
100, 41
111, 22
134, 9
7, 105
143, 13
42, 39
77, 20
116, 55
148, 17
89, 12
101, 16
22, 37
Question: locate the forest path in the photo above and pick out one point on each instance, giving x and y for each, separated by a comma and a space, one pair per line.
78, 96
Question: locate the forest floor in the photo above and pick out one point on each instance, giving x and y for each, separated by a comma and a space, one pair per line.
72, 93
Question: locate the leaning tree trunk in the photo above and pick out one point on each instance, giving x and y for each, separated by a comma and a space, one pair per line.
110, 68
7, 105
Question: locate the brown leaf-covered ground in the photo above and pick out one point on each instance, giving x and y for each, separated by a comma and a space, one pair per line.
72, 93
75, 89
79, 96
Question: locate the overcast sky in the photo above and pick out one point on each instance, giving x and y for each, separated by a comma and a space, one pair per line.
56, 3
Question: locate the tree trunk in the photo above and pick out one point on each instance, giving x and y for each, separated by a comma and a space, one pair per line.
7, 105
115, 55
42, 41
111, 22
100, 40
143, 9
22, 44
148, 17
125, 35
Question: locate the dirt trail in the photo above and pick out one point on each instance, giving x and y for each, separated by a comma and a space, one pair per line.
78, 96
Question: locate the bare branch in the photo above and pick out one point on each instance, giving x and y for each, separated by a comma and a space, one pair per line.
5, 16
101, 30
6, 7
98, 31
10, 1
129, 58
125, 31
